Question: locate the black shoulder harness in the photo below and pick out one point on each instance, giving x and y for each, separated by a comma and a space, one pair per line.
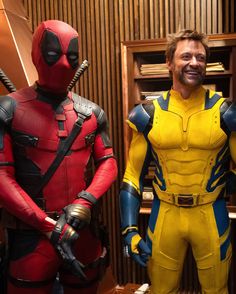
84, 111
7, 107
84, 105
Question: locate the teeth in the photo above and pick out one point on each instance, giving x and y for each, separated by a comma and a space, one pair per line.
192, 72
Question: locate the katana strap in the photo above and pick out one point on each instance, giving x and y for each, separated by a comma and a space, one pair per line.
83, 113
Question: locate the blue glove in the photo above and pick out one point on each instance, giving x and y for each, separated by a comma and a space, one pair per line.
137, 248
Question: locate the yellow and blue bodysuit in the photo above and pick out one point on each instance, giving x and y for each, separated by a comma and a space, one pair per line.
190, 142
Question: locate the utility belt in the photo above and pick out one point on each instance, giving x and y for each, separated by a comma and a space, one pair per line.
100, 264
189, 200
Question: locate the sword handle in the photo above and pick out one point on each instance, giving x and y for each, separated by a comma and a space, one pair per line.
84, 65
7, 82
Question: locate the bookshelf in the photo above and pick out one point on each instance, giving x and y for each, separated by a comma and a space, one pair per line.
144, 74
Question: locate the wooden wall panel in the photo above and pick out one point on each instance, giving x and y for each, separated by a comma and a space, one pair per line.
102, 26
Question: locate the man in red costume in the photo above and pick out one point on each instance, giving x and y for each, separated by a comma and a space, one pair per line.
49, 229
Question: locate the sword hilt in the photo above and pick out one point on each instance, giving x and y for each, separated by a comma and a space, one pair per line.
7, 82
84, 65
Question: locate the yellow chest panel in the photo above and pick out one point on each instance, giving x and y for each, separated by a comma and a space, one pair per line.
186, 140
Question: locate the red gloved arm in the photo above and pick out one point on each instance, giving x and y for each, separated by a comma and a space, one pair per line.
105, 173
12, 197
78, 213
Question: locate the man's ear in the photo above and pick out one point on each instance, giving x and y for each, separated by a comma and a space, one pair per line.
168, 64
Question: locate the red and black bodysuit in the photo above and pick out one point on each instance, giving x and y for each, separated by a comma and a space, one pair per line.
34, 122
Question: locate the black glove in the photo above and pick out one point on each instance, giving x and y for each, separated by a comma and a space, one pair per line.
77, 215
63, 237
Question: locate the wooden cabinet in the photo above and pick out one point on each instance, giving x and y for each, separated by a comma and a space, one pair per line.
137, 53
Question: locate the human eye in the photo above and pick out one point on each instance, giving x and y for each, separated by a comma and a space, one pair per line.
186, 56
201, 58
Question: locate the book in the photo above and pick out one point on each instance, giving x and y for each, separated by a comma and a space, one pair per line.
215, 66
154, 69
151, 95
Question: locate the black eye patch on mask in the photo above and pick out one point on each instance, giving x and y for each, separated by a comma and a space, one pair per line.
50, 48
72, 53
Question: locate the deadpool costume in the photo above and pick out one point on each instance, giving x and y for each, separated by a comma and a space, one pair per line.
49, 229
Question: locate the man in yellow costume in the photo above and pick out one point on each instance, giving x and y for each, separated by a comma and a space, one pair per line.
189, 133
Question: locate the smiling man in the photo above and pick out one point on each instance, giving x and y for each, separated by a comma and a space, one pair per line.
189, 134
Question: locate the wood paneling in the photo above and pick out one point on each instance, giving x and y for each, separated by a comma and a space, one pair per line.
102, 26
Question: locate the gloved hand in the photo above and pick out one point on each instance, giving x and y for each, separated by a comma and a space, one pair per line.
77, 215
136, 247
63, 237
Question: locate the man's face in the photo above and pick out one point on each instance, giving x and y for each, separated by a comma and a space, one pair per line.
188, 66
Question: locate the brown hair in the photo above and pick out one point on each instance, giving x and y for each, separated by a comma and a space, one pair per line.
185, 35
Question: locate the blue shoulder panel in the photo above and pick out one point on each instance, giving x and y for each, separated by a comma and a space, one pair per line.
211, 101
139, 117
164, 103
229, 117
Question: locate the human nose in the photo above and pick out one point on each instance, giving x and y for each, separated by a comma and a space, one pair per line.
194, 61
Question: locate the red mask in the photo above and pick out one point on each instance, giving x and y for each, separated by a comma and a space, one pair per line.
55, 55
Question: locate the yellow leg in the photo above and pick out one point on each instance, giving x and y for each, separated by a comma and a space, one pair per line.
177, 227
168, 251
213, 252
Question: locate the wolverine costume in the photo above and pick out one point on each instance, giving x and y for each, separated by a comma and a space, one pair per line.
190, 142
